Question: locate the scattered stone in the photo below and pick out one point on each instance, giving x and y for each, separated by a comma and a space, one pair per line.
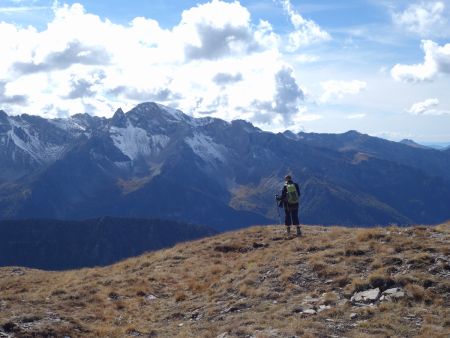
259, 245
367, 296
391, 294
150, 297
235, 308
353, 315
309, 312
134, 333
223, 335
323, 308
113, 296
196, 315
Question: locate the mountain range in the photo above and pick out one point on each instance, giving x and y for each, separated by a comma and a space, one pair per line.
157, 162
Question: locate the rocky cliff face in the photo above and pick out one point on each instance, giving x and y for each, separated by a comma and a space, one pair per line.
154, 161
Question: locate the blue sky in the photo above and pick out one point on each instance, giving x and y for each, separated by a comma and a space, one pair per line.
378, 66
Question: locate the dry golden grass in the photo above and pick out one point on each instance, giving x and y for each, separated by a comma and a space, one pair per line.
252, 282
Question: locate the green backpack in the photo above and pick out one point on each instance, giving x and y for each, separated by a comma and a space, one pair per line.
291, 193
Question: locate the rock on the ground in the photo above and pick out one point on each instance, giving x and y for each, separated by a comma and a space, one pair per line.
223, 335
391, 294
150, 297
309, 311
367, 296
323, 307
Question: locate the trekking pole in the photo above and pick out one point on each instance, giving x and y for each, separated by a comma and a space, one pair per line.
278, 209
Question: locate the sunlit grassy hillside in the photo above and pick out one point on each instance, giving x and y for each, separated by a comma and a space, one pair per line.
248, 283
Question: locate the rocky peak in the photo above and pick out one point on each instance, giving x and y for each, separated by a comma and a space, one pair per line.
3, 117
244, 125
291, 135
156, 112
119, 119
411, 143
4, 122
353, 134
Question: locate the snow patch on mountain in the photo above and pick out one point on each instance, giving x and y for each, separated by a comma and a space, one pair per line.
29, 141
69, 125
206, 121
134, 142
178, 115
206, 148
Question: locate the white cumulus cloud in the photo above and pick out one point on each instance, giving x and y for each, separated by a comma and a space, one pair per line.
214, 62
436, 61
335, 89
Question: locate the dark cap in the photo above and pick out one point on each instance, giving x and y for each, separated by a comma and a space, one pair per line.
287, 178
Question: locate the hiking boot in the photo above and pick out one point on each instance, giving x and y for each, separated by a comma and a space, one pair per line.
299, 232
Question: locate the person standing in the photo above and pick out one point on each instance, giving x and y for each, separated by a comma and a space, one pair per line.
289, 200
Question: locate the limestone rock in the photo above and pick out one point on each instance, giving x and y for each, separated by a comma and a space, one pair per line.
391, 294
309, 311
368, 296
323, 307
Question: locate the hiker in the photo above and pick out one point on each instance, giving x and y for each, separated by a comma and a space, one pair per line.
289, 200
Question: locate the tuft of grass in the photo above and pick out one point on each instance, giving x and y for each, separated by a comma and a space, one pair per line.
416, 292
180, 296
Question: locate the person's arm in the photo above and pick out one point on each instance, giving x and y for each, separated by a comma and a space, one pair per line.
284, 193
282, 197
298, 189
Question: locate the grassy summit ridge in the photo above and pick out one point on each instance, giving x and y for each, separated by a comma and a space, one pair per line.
248, 283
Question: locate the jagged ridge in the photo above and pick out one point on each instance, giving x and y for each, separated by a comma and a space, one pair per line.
154, 161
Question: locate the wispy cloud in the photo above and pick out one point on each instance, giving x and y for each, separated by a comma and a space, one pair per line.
424, 18
334, 89
427, 107
355, 116
306, 31
21, 9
